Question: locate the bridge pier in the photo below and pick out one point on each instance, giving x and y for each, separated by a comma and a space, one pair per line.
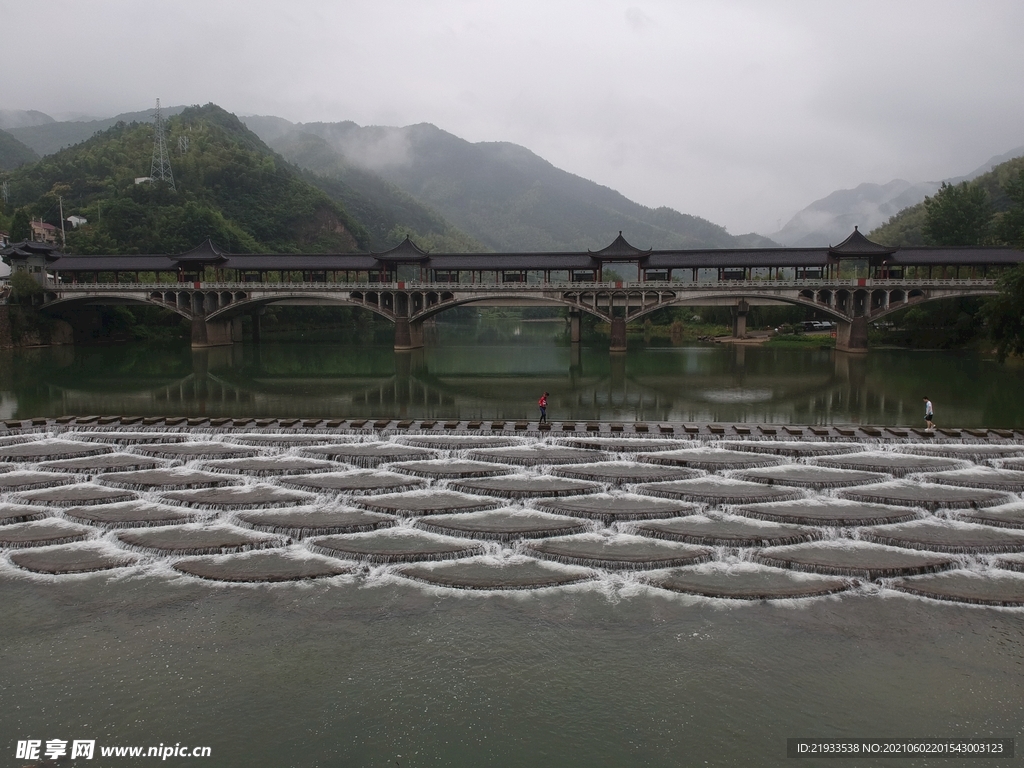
574, 326
408, 334
618, 334
257, 331
739, 320
215, 333
852, 336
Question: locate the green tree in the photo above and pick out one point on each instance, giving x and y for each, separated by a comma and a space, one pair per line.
1011, 222
1005, 314
20, 226
23, 288
958, 215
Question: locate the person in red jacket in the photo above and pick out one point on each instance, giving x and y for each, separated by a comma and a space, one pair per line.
543, 405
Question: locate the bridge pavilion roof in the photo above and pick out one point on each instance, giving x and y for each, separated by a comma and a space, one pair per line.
27, 248
208, 254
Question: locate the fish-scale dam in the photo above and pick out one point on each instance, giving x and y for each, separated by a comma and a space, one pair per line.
727, 512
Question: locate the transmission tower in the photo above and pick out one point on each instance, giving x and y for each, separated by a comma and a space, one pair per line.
183, 144
5, 192
161, 168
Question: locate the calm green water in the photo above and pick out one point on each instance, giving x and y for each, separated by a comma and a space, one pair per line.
392, 674
474, 372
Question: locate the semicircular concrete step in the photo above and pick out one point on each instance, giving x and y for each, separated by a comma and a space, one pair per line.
196, 539
303, 523
41, 533
368, 454
79, 495
452, 469
357, 482
394, 545
853, 558
618, 551
167, 479
536, 454
926, 495
714, 490
292, 564
827, 512
73, 558
505, 524
986, 588
808, 476
712, 459
108, 462
460, 442
270, 466
793, 448
493, 574
936, 535
131, 514
610, 508
238, 497
747, 581
28, 480
50, 450
727, 532
525, 486
425, 502
624, 472
890, 462
195, 451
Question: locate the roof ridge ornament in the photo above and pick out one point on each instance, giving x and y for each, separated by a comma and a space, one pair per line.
619, 250
859, 245
206, 252
406, 250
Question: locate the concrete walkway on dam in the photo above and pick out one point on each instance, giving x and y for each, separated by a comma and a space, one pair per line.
731, 511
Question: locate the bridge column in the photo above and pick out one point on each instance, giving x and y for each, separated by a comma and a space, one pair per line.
257, 331
6, 335
852, 336
618, 334
212, 333
408, 334
739, 320
574, 326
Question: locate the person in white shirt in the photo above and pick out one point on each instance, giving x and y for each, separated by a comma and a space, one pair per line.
929, 415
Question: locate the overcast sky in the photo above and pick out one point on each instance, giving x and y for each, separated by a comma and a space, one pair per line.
740, 112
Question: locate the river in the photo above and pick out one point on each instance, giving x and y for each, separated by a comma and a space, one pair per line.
472, 372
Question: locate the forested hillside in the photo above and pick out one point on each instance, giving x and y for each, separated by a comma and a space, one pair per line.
985, 211
501, 194
13, 153
229, 186
387, 213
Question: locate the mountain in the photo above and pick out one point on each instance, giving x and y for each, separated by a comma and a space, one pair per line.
832, 218
829, 220
388, 214
13, 153
49, 137
501, 194
230, 187
907, 226
20, 118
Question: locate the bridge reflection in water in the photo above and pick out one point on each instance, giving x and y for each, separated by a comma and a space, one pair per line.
701, 384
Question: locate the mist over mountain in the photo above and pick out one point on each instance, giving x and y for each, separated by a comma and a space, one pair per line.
829, 220
49, 136
501, 194
21, 118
